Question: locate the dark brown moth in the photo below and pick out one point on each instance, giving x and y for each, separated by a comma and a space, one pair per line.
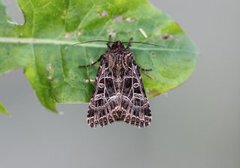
119, 94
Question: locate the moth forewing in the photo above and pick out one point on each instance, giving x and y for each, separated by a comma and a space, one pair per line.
119, 94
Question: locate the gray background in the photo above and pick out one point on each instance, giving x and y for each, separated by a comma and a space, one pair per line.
196, 126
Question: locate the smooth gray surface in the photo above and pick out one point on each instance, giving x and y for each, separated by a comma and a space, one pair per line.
196, 126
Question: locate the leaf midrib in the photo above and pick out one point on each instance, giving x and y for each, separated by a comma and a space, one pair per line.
14, 40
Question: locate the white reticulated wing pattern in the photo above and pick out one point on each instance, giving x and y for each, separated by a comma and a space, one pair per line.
119, 93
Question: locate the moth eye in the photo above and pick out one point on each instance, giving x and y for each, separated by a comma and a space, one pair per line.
135, 85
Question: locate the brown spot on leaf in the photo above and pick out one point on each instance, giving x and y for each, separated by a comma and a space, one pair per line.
167, 37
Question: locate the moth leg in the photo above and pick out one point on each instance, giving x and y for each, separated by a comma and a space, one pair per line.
88, 65
109, 41
140, 68
129, 42
144, 71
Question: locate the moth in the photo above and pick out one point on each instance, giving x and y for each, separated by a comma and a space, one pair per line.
119, 94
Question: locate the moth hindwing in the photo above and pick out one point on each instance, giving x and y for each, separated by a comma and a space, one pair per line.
119, 94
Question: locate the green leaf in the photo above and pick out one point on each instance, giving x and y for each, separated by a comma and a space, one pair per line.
44, 45
3, 110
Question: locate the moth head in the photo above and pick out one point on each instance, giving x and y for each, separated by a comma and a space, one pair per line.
117, 45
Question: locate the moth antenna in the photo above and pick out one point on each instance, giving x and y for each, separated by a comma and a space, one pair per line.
138, 42
110, 41
90, 41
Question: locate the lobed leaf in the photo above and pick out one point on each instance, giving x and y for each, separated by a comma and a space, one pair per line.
44, 45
